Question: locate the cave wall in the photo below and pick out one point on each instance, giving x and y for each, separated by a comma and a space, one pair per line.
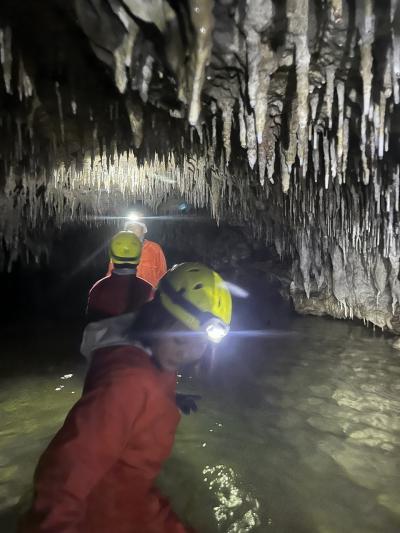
282, 116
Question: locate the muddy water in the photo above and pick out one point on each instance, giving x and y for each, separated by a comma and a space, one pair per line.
296, 432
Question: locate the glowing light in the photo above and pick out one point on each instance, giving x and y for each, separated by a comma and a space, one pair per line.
160, 218
216, 332
133, 216
262, 333
235, 290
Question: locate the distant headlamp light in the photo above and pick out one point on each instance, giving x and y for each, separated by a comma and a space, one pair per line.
133, 217
216, 330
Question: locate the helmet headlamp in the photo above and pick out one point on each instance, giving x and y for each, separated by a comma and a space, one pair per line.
215, 329
202, 321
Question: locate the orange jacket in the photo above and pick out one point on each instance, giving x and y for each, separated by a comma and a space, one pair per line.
98, 473
152, 265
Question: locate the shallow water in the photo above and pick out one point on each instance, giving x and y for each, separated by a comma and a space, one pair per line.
298, 432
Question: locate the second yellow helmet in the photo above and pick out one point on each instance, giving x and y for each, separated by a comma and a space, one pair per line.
125, 247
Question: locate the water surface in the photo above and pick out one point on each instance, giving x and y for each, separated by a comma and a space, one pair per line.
298, 432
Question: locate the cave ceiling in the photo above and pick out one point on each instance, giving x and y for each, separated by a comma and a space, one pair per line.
282, 115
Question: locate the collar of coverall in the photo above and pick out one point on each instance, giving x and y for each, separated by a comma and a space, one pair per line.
124, 271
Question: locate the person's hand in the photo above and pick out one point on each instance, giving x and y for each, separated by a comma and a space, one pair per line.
187, 402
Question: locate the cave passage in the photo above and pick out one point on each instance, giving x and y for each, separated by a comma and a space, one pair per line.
298, 426
260, 138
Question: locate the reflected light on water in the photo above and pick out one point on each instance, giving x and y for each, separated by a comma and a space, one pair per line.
262, 333
237, 511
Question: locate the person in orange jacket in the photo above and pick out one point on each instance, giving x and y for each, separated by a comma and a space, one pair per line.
98, 473
121, 291
152, 265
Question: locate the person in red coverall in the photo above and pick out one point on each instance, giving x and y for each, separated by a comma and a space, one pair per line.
152, 265
98, 473
121, 291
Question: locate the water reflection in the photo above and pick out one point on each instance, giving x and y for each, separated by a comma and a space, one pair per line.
237, 511
301, 434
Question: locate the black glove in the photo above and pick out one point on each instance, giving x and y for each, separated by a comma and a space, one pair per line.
186, 402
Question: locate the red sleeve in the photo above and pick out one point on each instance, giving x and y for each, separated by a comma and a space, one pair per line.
89, 443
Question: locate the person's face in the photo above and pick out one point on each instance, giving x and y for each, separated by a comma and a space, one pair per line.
137, 229
178, 348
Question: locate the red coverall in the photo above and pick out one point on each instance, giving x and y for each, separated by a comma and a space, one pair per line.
117, 294
98, 473
152, 265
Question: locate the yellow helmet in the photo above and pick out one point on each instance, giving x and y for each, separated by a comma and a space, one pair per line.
125, 247
198, 297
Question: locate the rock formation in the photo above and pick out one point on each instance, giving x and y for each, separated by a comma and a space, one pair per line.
283, 115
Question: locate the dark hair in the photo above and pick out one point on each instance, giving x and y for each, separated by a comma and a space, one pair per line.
152, 318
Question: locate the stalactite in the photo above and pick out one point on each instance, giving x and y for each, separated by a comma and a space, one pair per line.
227, 110
266, 152
147, 72
332, 157
365, 23
214, 129
326, 160
135, 114
60, 110
395, 53
364, 159
396, 187
340, 129
25, 87
123, 53
298, 27
260, 59
315, 155
6, 57
330, 79
287, 93
203, 22
242, 125
251, 139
